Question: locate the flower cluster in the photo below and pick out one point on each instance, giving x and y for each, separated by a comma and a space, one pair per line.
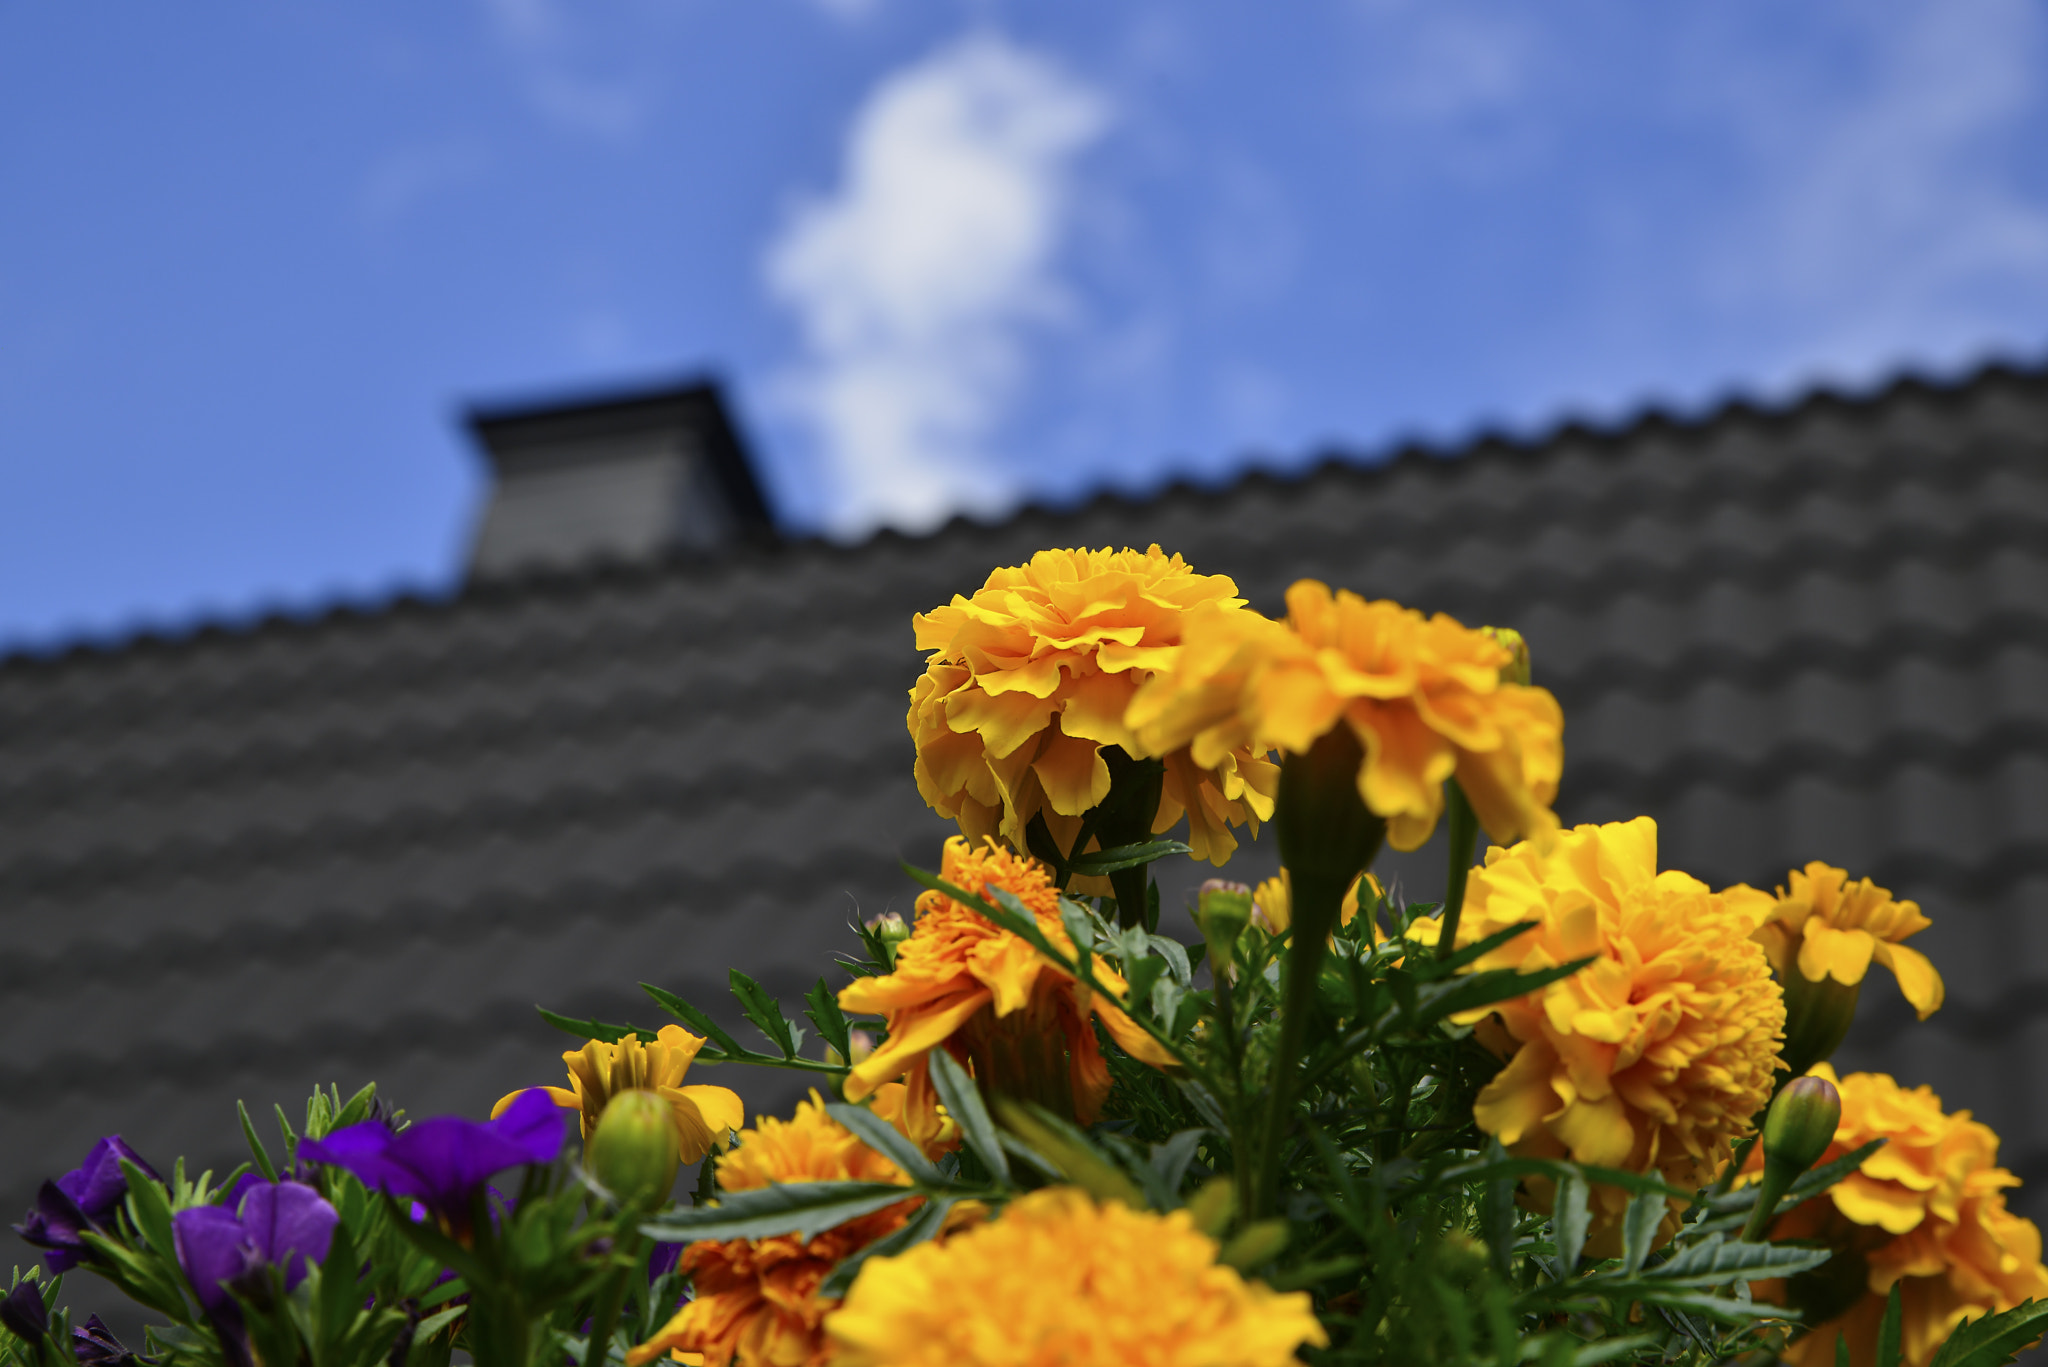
966, 985
1064, 1279
1029, 680
758, 1300
1925, 1212
599, 1071
1425, 697
1655, 1056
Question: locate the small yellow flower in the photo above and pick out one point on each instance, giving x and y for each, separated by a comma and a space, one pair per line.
757, 1300
1060, 1281
1424, 696
1029, 679
1926, 1211
1828, 927
599, 1071
1273, 903
961, 983
1652, 1058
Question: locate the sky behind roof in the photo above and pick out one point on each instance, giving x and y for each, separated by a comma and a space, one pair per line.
256, 257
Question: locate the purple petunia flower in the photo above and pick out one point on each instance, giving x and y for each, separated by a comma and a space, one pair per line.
84, 1198
23, 1313
279, 1224
94, 1345
443, 1163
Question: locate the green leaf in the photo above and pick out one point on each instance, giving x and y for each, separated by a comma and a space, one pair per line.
1639, 1229
963, 1103
1436, 1001
339, 1301
1842, 1349
1074, 917
1993, 1340
592, 1029
1170, 1160
925, 1224
1570, 1223
434, 1324
1447, 966
1176, 955
357, 1109
1123, 857
805, 1209
148, 1208
1713, 1262
1888, 1331
885, 1139
695, 1019
763, 1010
256, 1149
823, 1009
1141, 975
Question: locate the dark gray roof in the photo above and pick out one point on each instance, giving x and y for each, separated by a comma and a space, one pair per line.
364, 846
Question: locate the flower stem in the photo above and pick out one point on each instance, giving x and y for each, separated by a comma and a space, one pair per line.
1464, 833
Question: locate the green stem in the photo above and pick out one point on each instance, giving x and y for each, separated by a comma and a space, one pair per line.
1770, 1191
611, 1297
1464, 833
1317, 902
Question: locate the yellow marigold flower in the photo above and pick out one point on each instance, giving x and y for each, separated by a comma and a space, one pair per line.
1654, 1057
1926, 1211
1424, 696
598, 1071
1060, 1281
1273, 903
1020, 1022
1029, 679
1831, 928
757, 1300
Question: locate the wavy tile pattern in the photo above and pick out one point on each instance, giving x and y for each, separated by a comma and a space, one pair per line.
364, 845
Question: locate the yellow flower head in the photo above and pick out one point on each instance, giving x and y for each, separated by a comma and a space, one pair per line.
599, 1071
1273, 903
757, 1300
1020, 1022
1029, 679
1652, 1058
1060, 1281
1424, 696
1831, 928
1926, 1211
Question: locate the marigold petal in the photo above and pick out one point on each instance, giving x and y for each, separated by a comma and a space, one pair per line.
910, 1037
1072, 773
1003, 721
721, 1107
1919, 982
1843, 955
1520, 1096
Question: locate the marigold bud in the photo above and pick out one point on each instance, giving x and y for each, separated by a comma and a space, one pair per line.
1222, 910
634, 1153
1801, 1123
890, 928
862, 1043
1516, 670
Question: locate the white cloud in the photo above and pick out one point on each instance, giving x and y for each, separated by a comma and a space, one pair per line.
547, 47
917, 281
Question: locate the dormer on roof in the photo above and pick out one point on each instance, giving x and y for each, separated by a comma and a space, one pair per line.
631, 478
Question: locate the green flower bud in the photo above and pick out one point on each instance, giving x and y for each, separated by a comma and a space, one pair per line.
1801, 1123
634, 1153
1797, 1131
1222, 911
1516, 670
1255, 1245
890, 928
1817, 1017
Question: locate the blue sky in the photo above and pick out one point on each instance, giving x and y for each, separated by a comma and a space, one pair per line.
255, 257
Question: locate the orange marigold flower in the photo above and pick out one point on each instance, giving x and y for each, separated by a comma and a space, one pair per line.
999, 1006
598, 1071
1652, 1058
1926, 1211
1829, 927
1060, 1281
1029, 679
1425, 697
757, 1300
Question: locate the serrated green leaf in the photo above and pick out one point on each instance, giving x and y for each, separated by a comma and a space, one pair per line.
1176, 955
823, 1009
696, 1020
1440, 1000
1122, 857
925, 1224
1433, 969
1570, 1222
1993, 1340
1639, 1229
583, 1028
885, 1139
963, 1102
805, 1209
763, 1010
1714, 1261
